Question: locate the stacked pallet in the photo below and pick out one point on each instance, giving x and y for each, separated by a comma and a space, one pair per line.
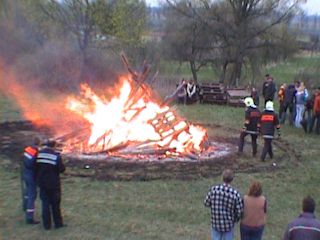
213, 93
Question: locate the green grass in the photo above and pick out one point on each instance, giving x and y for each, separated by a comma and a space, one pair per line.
8, 110
162, 209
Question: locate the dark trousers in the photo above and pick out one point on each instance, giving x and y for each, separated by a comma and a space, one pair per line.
267, 148
315, 121
51, 199
251, 233
253, 142
290, 107
281, 109
30, 196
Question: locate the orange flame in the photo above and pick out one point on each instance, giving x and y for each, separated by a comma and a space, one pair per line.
133, 117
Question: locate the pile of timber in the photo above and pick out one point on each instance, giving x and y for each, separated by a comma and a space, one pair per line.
213, 93
235, 96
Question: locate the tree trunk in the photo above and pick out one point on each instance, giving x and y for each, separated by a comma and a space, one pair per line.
223, 73
194, 71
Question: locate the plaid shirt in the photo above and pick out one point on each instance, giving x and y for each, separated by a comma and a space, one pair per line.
226, 207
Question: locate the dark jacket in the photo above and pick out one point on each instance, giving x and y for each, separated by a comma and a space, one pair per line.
268, 90
316, 106
29, 162
289, 94
252, 117
48, 168
305, 227
268, 122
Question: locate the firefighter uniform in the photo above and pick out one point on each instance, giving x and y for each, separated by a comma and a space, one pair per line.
268, 122
252, 117
30, 190
49, 167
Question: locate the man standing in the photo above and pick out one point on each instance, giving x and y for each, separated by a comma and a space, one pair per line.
226, 207
268, 122
306, 226
268, 89
30, 192
49, 167
289, 103
252, 117
316, 111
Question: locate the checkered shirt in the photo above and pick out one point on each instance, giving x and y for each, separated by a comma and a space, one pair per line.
226, 207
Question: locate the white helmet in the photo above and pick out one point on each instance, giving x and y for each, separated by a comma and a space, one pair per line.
248, 101
269, 106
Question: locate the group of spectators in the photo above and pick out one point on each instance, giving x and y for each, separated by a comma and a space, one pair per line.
188, 92
228, 207
294, 99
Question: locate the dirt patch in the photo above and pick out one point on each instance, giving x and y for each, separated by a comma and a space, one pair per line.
16, 135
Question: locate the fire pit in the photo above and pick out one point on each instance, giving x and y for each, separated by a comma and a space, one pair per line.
127, 127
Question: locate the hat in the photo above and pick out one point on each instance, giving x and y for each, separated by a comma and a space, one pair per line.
269, 106
248, 101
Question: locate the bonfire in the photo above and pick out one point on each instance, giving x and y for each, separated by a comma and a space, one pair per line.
134, 120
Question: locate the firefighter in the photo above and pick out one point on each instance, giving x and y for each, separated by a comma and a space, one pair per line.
252, 116
268, 122
49, 167
28, 176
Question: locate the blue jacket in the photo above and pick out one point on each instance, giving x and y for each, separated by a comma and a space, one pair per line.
306, 226
29, 162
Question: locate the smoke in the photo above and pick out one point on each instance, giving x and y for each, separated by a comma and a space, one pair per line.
39, 72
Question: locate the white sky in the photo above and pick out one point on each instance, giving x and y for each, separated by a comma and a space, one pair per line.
310, 7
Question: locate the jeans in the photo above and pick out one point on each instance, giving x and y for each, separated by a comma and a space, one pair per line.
299, 115
251, 233
216, 235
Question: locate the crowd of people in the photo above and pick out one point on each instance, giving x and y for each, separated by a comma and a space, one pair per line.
228, 207
301, 106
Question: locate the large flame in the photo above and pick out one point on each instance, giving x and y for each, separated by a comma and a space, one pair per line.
133, 117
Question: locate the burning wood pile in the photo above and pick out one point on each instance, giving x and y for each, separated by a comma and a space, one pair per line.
134, 121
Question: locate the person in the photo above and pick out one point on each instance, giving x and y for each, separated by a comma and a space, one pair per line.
254, 214
316, 112
309, 113
288, 104
268, 89
28, 174
252, 116
255, 96
268, 122
182, 92
48, 169
281, 93
191, 92
306, 226
301, 99
226, 207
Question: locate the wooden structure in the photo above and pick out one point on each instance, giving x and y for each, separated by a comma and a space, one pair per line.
235, 96
212, 93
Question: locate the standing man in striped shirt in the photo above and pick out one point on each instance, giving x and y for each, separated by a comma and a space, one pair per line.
226, 207
48, 169
306, 226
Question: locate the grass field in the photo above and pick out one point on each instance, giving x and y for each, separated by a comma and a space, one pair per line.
162, 209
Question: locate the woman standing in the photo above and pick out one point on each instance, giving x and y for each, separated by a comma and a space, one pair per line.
254, 215
301, 99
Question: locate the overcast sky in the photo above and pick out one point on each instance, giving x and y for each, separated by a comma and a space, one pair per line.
311, 7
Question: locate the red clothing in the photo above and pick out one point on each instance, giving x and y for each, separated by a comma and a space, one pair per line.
316, 105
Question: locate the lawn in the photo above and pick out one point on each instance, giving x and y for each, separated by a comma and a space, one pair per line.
162, 209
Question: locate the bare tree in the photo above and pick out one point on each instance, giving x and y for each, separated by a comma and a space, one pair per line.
239, 27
